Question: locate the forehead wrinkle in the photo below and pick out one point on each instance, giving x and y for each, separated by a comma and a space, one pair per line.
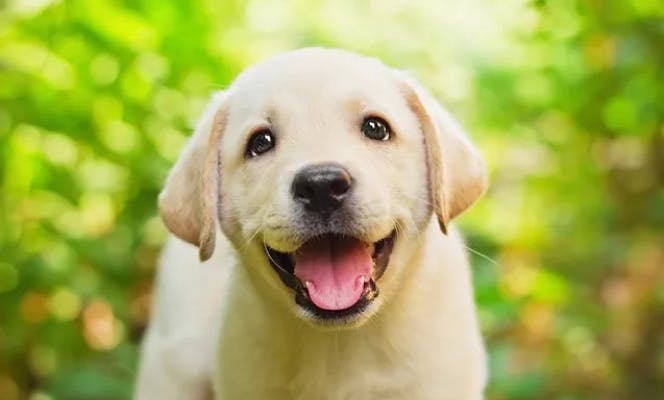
300, 113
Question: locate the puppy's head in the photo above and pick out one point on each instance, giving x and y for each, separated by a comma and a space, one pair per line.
322, 168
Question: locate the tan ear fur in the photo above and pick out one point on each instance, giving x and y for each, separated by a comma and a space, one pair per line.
188, 203
456, 170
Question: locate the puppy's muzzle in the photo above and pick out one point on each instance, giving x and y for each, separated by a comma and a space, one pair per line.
322, 188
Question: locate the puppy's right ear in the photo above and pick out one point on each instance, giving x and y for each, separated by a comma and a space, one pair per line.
188, 203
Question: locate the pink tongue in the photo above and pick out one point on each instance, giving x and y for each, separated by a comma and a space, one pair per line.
334, 271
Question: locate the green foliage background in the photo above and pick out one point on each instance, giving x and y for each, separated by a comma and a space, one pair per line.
565, 98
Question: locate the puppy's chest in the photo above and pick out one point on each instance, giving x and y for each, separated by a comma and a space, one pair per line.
331, 369
336, 370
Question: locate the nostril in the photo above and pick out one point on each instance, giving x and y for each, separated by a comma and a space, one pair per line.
303, 190
340, 185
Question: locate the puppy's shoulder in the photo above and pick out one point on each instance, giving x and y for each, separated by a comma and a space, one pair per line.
187, 289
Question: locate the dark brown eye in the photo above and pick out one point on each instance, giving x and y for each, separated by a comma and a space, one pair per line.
376, 128
260, 142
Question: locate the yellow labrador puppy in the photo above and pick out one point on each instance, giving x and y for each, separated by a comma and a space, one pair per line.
335, 273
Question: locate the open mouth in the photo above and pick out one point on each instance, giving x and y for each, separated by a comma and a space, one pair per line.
334, 276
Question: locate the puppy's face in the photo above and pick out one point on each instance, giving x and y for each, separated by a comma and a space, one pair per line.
323, 171
318, 170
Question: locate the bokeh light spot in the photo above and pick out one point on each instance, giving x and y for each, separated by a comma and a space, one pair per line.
39, 61
8, 388
39, 395
34, 307
60, 149
101, 330
64, 304
104, 69
154, 231
152, 66
97, 174
119, 136
97, 213
579, 340
43, 360
518, 281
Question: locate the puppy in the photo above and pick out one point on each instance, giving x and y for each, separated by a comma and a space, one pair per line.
318, 190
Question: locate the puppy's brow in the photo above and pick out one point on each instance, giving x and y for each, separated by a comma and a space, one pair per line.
355, 106
270, 113
255, 124
362, 109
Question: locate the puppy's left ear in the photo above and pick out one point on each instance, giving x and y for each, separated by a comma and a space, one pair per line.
189, 201
456, 170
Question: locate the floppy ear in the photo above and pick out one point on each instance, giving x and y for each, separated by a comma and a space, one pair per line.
457, 173
188, 203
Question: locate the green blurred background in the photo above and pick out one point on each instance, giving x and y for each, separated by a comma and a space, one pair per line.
565, 98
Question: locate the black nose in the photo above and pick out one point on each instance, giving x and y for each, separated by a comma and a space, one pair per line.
321, 188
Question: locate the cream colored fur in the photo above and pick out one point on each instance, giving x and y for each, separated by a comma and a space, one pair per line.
227, 328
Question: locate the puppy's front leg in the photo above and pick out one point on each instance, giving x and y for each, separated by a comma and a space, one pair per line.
169, 371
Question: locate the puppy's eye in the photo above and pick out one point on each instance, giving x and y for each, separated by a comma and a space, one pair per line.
260, 142
376, 128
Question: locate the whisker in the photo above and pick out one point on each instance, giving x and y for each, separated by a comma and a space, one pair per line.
422, 199
484, 256
397, 227
259, 229
216, 86
409, 224
273, 260
252, 237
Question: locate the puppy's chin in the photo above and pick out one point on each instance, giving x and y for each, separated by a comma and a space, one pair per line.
340, 323
333, 279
